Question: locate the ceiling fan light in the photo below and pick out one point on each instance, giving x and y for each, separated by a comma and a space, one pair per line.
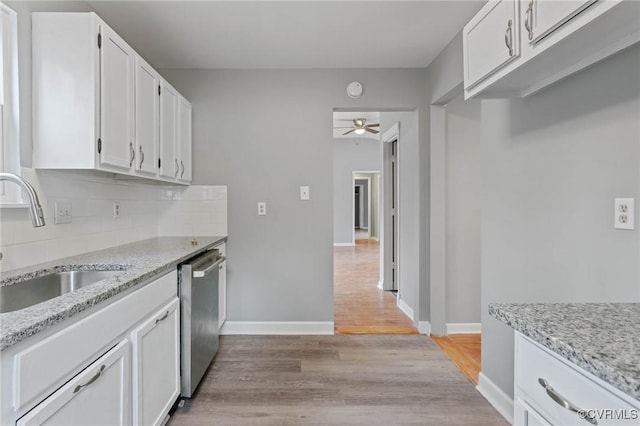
359, 131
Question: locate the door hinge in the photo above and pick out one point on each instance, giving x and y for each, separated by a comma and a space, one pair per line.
99, 40
99, 146
158, 90
159, 163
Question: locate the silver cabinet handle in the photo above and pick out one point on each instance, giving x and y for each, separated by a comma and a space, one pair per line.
560, 400
91, 380
132, 152
141, 157
508, 37
528, 19
182, 166
177, 168
162, 318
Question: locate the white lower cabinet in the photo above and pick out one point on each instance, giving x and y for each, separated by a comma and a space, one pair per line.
117, 365
549, 390
99, 395
156, 365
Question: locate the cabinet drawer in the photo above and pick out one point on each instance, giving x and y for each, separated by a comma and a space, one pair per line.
535, 364
68, 351
99, 395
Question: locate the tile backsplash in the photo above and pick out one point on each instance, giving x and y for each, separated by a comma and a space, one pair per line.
147, 210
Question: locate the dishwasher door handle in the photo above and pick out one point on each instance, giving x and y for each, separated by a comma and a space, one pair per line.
214, 265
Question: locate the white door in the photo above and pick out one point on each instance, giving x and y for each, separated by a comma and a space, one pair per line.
99, 395
116, 101
541, 17
169, 166
156, 365
184, 139
146, 121
491, 40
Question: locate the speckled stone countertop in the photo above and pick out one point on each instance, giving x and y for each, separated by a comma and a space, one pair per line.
140, 261
601, 338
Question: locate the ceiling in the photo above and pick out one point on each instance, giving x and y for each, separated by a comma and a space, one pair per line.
343, 121
287, 34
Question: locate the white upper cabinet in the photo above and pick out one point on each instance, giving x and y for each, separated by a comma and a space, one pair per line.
541, 17
491, 40
184, 139
552, 39
97, 106
147, 118
116, 101
169, 165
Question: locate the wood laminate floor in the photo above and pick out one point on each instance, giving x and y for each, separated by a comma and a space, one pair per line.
359, 306
464, 351
341, 379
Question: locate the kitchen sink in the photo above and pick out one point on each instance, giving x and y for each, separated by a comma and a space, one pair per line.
31, 292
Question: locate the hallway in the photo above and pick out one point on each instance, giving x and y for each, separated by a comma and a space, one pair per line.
359, 306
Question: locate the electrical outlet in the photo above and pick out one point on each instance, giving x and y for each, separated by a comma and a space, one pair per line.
262, 208
304, 193
62, 212
116, 210
624, 213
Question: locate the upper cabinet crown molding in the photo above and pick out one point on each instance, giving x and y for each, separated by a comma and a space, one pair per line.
98, 105
514, 48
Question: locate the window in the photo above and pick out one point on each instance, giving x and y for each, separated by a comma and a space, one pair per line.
9, 111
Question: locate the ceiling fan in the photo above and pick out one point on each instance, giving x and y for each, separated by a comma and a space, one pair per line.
360, 126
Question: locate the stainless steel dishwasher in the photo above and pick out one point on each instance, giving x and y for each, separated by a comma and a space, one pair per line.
199, 317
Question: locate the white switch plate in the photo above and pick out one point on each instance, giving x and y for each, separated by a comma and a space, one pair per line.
624, 213
62, 213
262, 208
304, 192
116, 210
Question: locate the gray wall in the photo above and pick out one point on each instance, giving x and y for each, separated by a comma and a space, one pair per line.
264, 133
463, 172
553, 164
408, 204
349, 155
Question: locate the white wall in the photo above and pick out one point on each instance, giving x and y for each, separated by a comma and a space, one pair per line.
283, 262
349, 155
553, 164
463, 177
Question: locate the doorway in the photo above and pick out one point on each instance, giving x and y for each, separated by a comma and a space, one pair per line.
362, 305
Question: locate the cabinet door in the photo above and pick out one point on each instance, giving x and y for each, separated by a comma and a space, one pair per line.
99, 395
542, 17
491, 40
116, 101
156, 365
184, 139
146, 121
222, 288
527, 416
169, 166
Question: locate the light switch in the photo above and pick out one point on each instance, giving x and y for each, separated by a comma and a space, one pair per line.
624, 213
304, 192
62, 213
262, 208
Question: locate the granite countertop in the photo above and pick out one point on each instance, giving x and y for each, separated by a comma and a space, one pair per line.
601, 338
140, 261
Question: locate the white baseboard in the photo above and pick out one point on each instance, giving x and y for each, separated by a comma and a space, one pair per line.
380, 286
464, 328
405, 308
375, 238
343, 244
496, 397
424, 327
277, 327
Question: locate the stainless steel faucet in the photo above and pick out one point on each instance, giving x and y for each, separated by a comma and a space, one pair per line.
35, 210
